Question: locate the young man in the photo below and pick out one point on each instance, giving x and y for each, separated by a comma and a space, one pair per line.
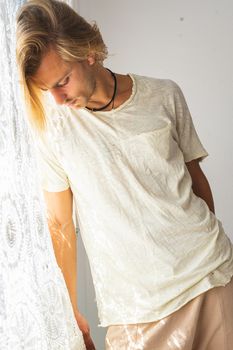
125, 149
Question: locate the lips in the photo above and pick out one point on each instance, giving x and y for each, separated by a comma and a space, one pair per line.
71, 103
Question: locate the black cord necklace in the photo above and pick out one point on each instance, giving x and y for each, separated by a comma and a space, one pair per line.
113, 96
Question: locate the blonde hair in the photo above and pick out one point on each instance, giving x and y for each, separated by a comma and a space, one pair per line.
42, 24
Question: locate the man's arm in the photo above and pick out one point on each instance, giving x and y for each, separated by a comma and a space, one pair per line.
62, 230
200, 185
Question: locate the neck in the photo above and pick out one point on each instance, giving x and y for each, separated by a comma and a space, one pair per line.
104, 88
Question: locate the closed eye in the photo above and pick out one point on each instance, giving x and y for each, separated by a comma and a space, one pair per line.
65, 82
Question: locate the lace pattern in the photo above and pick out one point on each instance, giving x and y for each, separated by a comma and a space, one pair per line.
35, 309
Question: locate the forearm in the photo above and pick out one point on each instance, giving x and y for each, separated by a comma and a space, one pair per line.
200, 183
62, 230
202, 189
64, 244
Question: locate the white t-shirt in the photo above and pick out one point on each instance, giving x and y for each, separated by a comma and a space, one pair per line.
152, 244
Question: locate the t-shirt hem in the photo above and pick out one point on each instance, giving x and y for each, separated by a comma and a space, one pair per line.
200, 156
55, 189
154, 318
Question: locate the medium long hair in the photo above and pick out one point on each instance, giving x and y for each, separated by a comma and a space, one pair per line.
45, 24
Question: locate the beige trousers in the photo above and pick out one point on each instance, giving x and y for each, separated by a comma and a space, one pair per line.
205, 323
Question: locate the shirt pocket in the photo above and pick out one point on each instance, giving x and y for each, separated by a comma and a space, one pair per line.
155, 146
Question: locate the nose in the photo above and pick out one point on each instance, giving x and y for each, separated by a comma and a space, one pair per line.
58, 96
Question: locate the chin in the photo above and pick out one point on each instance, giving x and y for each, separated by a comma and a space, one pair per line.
81, 103
77, 106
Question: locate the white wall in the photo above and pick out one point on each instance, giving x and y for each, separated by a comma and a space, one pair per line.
190, 42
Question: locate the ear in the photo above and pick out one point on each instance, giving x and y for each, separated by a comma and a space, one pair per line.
91, 58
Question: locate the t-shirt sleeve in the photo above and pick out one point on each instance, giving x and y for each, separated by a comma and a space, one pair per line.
188, 139
52, 176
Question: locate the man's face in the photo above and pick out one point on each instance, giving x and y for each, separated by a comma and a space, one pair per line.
69, 83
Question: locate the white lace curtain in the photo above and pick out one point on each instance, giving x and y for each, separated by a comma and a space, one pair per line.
35, 310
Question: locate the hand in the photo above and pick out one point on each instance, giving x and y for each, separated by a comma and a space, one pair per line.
85, 329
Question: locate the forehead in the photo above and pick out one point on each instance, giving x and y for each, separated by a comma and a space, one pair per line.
51, 70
